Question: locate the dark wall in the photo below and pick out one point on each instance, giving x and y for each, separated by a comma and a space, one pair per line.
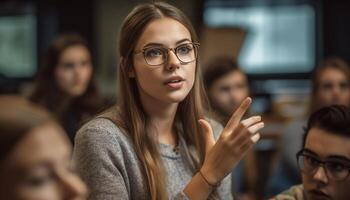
59, 16
336, 28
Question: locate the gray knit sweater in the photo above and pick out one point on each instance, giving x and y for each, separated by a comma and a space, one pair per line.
108, 164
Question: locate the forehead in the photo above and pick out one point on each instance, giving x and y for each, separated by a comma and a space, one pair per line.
330, 73
233, 77
74, 51
165, 31
46, 143
326, 144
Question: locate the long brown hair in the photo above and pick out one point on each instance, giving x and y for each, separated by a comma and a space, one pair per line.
329, 63
131, 116
46, 91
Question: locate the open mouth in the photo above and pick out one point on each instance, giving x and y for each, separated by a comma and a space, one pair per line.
175, 83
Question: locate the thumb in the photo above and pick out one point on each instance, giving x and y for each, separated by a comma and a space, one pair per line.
208, 135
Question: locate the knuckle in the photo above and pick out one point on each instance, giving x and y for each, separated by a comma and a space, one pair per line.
243, 126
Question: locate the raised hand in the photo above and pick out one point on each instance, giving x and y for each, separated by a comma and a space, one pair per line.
235, 140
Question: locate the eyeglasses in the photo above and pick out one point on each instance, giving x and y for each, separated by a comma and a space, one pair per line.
335, 170
158, 55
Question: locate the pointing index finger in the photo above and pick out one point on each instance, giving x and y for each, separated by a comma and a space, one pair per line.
238, 114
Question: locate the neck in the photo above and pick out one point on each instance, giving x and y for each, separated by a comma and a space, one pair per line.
63, 105
161, 117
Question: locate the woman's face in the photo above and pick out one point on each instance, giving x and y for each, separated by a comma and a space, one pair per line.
333, 88
39, 168
169, 82
74, 70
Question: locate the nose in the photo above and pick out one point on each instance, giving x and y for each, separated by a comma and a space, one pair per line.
173, 62
232, 93
73, 188
321, 175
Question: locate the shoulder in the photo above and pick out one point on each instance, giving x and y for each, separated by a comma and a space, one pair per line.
101, 136
100, 129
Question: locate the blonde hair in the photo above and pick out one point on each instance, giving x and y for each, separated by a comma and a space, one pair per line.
130, 114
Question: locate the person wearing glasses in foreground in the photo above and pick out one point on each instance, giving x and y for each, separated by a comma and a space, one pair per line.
156, 144
324, 160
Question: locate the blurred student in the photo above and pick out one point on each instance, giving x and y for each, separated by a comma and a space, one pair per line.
330, 86
65, 85
35, 155
227, 87
156, 143
324, 160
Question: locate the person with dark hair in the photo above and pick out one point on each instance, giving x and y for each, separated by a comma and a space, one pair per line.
65, 85
330, 85
156, 144
226, 86
324, 160
35, 155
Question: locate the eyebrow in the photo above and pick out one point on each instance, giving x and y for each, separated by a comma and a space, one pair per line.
342, 158
160, 44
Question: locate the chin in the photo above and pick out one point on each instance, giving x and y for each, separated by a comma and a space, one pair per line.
76, 93
177, 99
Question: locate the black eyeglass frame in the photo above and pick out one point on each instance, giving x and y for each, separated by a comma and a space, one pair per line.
320, 163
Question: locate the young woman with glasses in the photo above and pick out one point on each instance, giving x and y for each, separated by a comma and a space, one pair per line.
155, 144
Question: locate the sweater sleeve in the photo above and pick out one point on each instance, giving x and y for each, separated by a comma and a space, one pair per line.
99, 162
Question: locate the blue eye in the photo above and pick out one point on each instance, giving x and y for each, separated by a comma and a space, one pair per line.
153, 52
184, 49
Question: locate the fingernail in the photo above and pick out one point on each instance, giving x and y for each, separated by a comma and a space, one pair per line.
255, 138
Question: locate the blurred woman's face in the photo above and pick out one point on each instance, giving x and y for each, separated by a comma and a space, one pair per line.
74, 70
39, 168
333, 88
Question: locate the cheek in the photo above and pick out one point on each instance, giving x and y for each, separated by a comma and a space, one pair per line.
63, 77
148, 81
344, 189
345, 95
307, 182
49, 191
323, 95
220, 98
86, 73
241, 95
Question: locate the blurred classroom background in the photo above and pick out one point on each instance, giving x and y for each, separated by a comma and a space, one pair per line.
277, 43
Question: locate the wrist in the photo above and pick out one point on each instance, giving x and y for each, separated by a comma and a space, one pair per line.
208, 177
